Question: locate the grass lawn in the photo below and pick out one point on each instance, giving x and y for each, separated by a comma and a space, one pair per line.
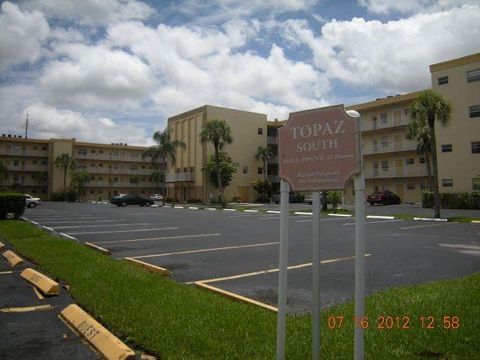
176, 321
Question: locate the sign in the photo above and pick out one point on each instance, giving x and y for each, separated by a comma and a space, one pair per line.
319, 149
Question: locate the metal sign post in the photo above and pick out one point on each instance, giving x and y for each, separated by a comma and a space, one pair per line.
319, 149
317, 210
282, 273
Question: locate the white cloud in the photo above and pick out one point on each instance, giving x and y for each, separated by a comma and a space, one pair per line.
392, 56
92, 12
412, 6
22, 34
196, 67
96, 76
49, 122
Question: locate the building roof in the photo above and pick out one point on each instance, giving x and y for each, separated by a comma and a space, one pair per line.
469, 59
385, 102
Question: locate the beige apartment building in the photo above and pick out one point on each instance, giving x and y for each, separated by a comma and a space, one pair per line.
186, 180
458, 144
113, 168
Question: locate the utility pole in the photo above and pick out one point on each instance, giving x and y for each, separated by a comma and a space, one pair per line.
26, 127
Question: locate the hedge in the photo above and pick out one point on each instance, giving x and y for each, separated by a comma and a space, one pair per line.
12, 203
462, 200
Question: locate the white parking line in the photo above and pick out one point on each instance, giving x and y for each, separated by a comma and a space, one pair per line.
262, 272
121, 231
322, 220
269, 218
156, 238
422, 226
250, 211
80, 221
374, 222
204, 250
93, 226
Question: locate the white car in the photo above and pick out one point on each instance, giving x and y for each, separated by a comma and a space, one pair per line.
31, 201
156, 197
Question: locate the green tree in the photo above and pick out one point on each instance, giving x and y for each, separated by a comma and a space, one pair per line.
334, 197
40, 178
79, 180
218, 133
3, 172
158, 178
220, 170
164, 150
264, 154
65, 162
431, 107
419, 131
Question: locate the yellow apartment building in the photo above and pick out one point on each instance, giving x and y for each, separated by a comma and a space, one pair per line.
186, 180
113, 168
391, 161
458, 144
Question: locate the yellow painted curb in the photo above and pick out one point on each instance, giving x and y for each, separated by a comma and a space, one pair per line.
43, 283
12, 258
96, 335
98, 248
236, 297
2, 246
26, 309
152, 268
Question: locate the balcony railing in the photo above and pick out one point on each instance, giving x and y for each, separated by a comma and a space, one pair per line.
119, 184
273, 159
112, 157
369, 126
27, 168
36, 153
273, 178
379, 149
272, 140
100, 170
183, 176
395, 172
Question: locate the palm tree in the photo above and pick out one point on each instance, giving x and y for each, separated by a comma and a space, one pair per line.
432, 107
40, 177
164, 150
79, 180
218, 133
419, 131
264, 153
157, 177
65, 162
3, 172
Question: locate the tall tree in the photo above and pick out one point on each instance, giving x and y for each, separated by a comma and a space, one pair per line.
218, 133
163, 150
264, 154
3, 172
432, 108
65, 162
79, 180
419, 131
40, 178
157, 177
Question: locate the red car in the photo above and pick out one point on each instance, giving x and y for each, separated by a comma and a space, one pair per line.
383, 197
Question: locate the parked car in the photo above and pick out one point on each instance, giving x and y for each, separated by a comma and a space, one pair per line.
308, 198
31, 201
156, 197
383, 197
293, 197
130, 199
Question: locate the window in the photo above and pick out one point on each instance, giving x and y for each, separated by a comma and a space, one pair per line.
385, 165
192, 169
474, 111
44, 148
16, 163
473, 75
422, 160
447, 182
259, 171
384, 142
245, 169
443, 80
422, 186
93, 151
82, 152
410, 186
476, 184
34, 162
410, 161
384, 118
447, 148
476, 147
260, 131
406, 112
100, 151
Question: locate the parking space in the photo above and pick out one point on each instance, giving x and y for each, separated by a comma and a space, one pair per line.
238, 251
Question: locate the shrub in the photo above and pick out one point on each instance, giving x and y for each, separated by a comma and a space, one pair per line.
71, 196
453, 200
60, 196
237, 199
12, 203
194, 201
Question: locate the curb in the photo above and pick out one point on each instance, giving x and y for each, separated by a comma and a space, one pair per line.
97, 248
95, 334
340, 215
2, 246
149, 267
429, 219
42, 282
236, 297
380, 217
302, 213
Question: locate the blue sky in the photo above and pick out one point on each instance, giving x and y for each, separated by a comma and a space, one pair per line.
115, 70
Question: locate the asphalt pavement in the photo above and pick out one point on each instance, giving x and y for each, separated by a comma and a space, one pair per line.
238, 251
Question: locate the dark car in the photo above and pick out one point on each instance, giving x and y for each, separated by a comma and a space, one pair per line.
383, 197
130, 199
293, 197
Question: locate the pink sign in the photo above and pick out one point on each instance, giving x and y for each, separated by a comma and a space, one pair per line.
319, 149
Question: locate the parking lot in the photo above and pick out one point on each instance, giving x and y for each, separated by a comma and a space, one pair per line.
238, 251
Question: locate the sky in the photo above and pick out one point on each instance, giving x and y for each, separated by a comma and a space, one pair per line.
115, 70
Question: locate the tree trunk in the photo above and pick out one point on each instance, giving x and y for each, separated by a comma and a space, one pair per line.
436, 191
64, 178
324, 200
265, 170
217, 166
164, 188
429, 171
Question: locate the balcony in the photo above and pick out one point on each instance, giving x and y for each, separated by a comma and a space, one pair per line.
380, 149
273, 160
371, 126
409, 171
273, 178
272, 140
38, 168
102, 170
27, 152
111, 157
112, 184
183, 176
